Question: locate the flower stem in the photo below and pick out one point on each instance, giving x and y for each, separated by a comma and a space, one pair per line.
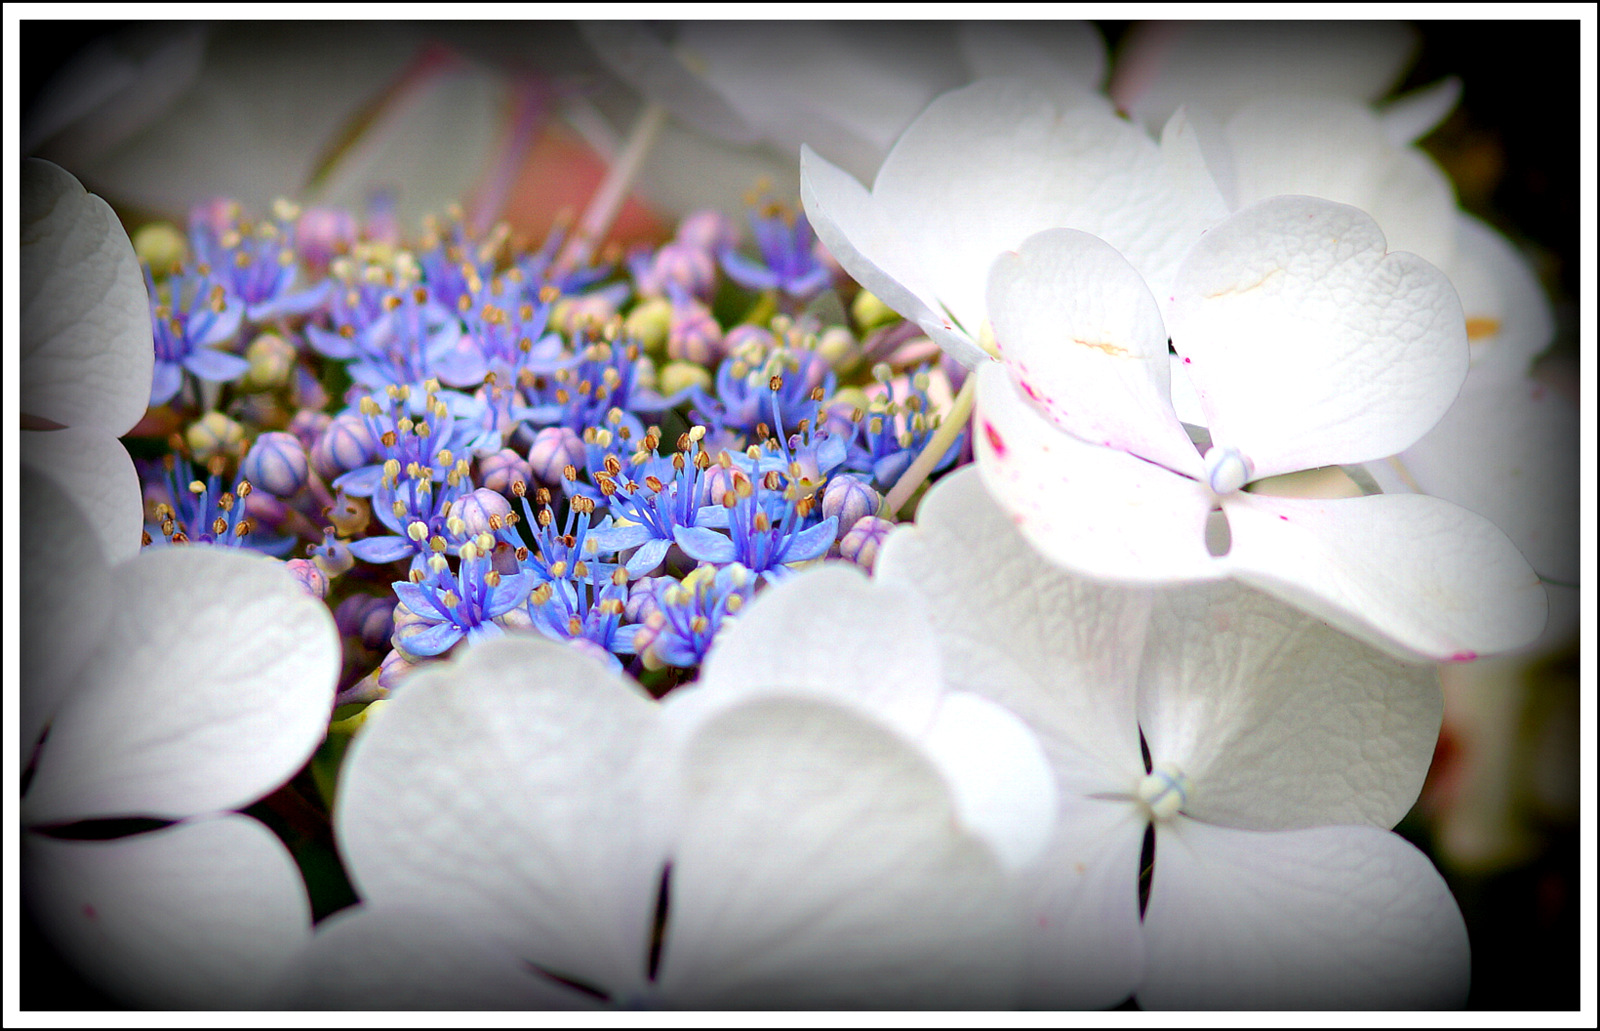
938, 444
607, 200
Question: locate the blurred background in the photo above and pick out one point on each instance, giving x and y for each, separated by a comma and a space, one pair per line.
522, 121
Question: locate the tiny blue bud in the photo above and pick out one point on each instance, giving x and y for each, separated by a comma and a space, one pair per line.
276, 464
554, 448
1227, 470
503, 468
346, 444
309, 577
860, 545
851, 499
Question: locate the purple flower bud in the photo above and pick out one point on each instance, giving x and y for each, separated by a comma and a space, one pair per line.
503, 468
745, 336
344, 445
276, 464
554, 448
322, 233
309, 577
851, 499
861, 544
694, 335
476, 509
216, 215
307, 425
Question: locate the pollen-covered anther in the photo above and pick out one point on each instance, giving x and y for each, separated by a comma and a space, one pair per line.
1227, 470
1164, 791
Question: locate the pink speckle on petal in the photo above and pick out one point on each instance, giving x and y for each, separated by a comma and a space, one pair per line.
1284, 518
1186, 361
1463, 656
1044, 921
994, 440
89, 912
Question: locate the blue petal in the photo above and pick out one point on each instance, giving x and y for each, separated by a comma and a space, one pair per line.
381, 549
648, 557
812, 543
431, 641
704, 544
215, 366
164, 385
360, 482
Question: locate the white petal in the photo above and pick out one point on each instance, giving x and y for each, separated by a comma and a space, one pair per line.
1086, 948
1094, 510
986, 167
1509, 322
1413, 575
269, 102
845, 89
1004, 788
832, 631
1408, 118
512, 788
1279, 720
1083, 338
1338, 150
1222, 65
641, 58
1307, 344
94, 470
200, 915
211, 687
820, 866
1060, 651
876, 254
1330, 918
64, 573
87, 350
1508, 450
1070, 52
412, 958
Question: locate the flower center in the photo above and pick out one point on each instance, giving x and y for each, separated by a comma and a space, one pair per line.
1227, 470
1164, 791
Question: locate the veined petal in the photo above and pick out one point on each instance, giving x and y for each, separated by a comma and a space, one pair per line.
1083, 338
831, 631
1278, 720
820, 865
1335, 148
1413, 575
1060, 651
1095, 510
1327, 918
1222, 65
87, 351
415, 958
63, 578
875, 254
94, 470
210, 688
511, 787
1508, 450
1308, 344
1085, 947
204, 914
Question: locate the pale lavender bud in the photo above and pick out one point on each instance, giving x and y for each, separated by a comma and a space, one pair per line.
861, 544
308, 576
642, 598
367, 617
851, 499
679, 267
554, 448
307, 425
720, 479
216, 215
694, 335
322, 233
708, 230
749, 336
276, 464
503, 468
393, 670
272, 361
476, 509
344, 445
